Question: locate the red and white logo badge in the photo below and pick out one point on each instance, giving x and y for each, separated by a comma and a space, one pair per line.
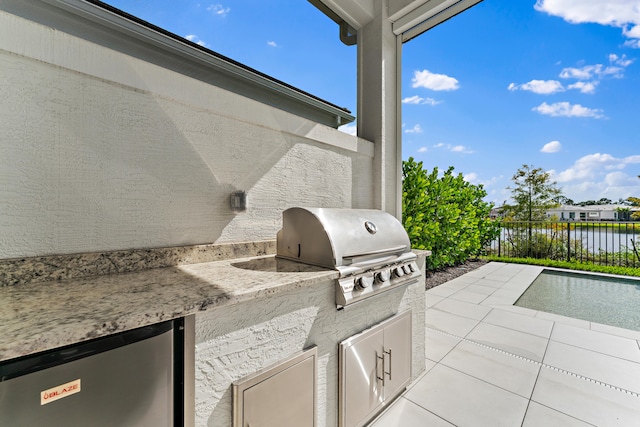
59, 392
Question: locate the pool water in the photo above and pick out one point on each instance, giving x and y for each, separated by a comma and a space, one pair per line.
611, 301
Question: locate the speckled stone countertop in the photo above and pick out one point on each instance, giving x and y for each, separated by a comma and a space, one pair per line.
38, 316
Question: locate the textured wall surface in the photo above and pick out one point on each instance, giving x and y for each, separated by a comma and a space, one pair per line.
104, 151
237, 341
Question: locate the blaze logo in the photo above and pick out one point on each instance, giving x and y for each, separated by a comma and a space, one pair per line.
55, 393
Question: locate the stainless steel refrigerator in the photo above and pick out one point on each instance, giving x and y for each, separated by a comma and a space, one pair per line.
129, 379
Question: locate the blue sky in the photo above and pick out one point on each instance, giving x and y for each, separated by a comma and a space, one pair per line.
550, 83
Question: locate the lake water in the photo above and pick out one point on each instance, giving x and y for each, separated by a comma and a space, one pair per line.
611, 301
593, 239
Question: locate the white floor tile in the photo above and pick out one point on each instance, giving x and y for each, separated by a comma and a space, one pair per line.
510, 373
510, 296
404, 413
464, 309
468, 296
438, 345
466, 401
519, 343
480, 289
433, 299
518, 322
538, 415
613, 330
600, 342
586, 401
490, 282
601, 367
451, 323
520, 310
442, 291
498, 301
585, 324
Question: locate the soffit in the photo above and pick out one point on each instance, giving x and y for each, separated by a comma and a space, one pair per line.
409, 18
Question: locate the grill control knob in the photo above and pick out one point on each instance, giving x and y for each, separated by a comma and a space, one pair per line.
398, 271
383, 276
363, 282
407, 269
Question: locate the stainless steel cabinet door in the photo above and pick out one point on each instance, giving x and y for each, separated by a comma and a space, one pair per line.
397, 354
375, 366
361, 366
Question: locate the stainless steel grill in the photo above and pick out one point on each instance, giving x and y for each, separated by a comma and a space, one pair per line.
369, 248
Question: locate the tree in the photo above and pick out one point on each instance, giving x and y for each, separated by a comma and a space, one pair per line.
446, 215
635, 201
605, 201
562, 200
533, 193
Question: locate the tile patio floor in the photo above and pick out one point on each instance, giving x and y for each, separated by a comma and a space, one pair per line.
492, 364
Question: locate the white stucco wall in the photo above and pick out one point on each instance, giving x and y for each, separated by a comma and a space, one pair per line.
103, 151
236, 341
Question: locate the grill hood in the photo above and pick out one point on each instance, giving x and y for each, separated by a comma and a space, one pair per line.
342, 239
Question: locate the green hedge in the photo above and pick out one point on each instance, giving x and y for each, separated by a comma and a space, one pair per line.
445, 214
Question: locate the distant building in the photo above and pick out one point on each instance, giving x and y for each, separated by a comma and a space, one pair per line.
496, 213
593, 213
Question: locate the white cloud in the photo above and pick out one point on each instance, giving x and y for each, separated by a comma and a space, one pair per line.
551, 147
564, 109
594, 165
433, 81
415, 129
589, 72
471, 177
474, 179
634, 44
351, 129
543, 87
417, 100
584, 87
423, 150
622, 60
617, 179
218, 9
588, 77
272, 44
599, 175
623, 14
454, 148
195, 39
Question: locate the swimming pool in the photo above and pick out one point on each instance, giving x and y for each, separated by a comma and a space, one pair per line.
601, 299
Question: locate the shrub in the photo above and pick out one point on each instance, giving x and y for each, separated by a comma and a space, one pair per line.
445, 215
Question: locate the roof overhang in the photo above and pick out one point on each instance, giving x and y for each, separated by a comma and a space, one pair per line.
409, 18
131, 34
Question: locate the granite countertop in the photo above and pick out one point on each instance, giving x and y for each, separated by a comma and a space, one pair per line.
41, 316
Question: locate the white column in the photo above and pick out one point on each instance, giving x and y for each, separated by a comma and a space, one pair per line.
379, 117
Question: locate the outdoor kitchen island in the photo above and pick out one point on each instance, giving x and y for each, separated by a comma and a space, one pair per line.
250, 312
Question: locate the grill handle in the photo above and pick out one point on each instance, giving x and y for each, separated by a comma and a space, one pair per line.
377, 252
377, 370
390, 362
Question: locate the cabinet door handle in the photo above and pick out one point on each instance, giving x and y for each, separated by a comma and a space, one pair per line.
390, 363
377, 370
